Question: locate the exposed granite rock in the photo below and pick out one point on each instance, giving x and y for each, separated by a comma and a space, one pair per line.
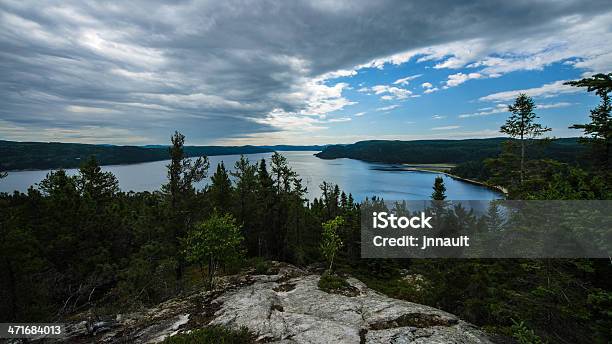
288, 307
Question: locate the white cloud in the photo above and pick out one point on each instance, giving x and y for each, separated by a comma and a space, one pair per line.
438, 117
359, 114
387, 108
88, 109
550, 90
460, 78
291, 121
431, 90
391, 92
499, 108
341, 119
406, 81
448, 127
578, 38
553, 105
426, 85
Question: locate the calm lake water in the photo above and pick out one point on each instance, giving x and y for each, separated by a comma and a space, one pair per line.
360, 178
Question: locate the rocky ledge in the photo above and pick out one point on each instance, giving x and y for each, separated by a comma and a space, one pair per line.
286, 307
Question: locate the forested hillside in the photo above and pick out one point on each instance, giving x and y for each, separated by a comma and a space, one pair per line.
447, 151
46, 155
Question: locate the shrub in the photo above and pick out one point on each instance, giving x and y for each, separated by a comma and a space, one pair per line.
330, 283
262, 266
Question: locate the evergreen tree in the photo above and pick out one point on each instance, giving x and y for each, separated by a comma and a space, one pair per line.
599, 131
180, 192
245, 175
439, 193
221, 189
95, 184
521, 124
266, 222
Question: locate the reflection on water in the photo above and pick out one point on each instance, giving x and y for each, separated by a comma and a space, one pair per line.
362, 179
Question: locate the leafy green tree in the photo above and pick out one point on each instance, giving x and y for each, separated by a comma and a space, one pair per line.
214, 242
521, 124
331, 241
221, 189
439, 193
599, 131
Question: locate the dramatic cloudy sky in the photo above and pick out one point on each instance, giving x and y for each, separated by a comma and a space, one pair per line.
298, 72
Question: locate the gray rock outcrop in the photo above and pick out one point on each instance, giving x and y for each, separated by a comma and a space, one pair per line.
288, 307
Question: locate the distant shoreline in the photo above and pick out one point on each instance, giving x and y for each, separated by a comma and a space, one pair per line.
444, 168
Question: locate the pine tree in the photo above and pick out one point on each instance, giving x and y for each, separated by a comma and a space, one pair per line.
521, 124
95, 184
599, 131
180, 191
439, 193
265, 216
221, 189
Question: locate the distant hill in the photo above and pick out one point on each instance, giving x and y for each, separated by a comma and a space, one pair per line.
445, 151
47, 155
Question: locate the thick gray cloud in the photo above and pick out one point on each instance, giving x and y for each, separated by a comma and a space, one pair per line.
134, 71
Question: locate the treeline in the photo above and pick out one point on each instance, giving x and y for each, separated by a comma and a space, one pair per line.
567, 150
53, 155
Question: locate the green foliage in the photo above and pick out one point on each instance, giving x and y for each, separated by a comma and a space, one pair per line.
439, 193
76, 243
213, 335
331, 282
262, 266
330, 240
215, 242
521, 124
523, 334
599, 130
221, 189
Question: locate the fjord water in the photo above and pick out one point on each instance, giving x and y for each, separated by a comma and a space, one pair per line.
362, 179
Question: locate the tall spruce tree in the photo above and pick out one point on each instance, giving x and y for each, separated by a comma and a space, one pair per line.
439, 193
245, 176
221, 189
521, 125
180, 191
